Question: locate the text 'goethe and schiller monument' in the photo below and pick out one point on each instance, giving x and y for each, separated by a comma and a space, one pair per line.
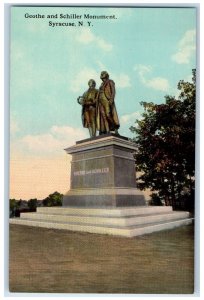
102, 167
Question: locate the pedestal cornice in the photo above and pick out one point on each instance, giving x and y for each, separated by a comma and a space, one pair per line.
107, 140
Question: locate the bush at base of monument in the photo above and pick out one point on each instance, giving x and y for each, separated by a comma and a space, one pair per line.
54, 199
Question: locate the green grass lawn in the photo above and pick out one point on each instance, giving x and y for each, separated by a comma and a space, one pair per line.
57, 261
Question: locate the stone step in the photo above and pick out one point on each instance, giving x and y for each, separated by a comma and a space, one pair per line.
150, 228
107, 221
123, 221
105, 212
126, 232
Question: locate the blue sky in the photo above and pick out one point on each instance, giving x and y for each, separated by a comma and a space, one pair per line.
145, 50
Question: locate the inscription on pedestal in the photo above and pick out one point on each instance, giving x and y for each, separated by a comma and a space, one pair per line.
89, 172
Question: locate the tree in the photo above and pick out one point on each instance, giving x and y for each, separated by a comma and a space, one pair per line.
165, 139
13, 206
54, 199
32, 204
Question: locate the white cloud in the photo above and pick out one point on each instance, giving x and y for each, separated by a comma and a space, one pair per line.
122, 80
67, 134
157, 83
186, 48
101, 65
80, 82
130, 118
86, 36
103, 44
43, 143
50, 143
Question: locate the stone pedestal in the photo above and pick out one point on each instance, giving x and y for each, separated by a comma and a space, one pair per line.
103, 173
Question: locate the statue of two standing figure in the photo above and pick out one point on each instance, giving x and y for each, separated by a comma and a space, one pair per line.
98, 107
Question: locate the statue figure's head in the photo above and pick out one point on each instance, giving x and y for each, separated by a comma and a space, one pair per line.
91, 83
104, 75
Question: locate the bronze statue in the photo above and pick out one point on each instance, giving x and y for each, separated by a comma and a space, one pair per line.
107, 117
88, 102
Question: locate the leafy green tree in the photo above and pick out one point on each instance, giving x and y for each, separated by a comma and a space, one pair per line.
32, 203
54, 199
165, 138
13, 206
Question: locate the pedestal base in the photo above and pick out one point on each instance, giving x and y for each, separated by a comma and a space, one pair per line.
103, 173
112, 197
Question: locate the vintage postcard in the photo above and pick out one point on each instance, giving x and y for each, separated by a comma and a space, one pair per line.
102, 149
